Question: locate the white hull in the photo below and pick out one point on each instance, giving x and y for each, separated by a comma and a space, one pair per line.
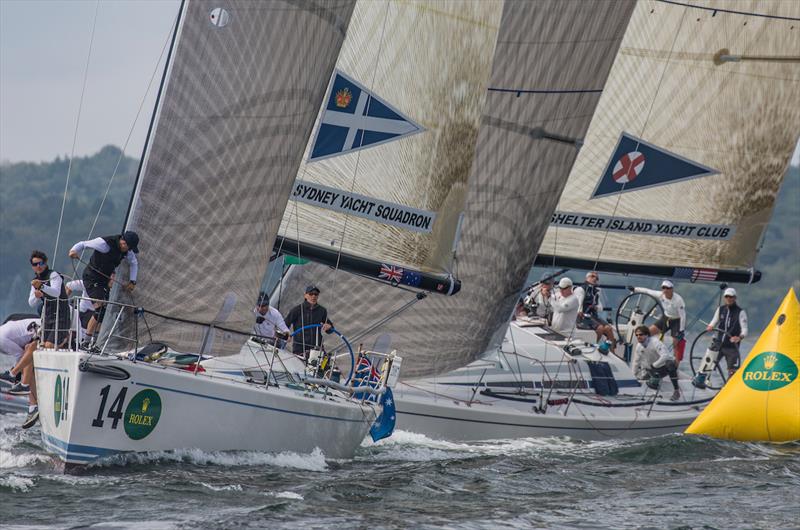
512, 390
211, 413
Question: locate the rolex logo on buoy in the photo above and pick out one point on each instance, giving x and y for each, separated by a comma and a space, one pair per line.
769, 371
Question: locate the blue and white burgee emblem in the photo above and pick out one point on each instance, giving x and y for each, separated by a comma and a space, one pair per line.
354, 118
636, 165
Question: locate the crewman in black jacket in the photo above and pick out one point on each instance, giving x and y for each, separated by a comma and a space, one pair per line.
306, 314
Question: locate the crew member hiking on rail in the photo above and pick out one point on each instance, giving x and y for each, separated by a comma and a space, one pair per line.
108, 253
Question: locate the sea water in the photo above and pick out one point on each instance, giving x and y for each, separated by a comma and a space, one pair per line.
410, 481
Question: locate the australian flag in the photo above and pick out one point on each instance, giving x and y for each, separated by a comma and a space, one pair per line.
384, 425
636, 164
354, 118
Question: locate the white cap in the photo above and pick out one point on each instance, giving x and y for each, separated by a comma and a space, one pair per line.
667, 283
730, 291
564, 283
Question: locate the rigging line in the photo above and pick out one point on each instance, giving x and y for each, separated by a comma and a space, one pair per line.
75, 133
130, 134
519, 91
644, 127
358, 154
716, 10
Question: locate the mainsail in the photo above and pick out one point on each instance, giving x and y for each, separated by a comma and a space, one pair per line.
549, 65
384, 183
243, 85
689, 144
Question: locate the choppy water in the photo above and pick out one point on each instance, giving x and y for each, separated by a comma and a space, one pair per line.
411, 481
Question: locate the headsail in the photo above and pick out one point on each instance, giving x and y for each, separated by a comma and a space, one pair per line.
550, 63
383, 186
688, 146
243, 86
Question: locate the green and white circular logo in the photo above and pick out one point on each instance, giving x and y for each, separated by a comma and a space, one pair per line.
142, 414
58, 400
769, 370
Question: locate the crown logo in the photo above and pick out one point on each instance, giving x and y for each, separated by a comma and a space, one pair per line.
769, 361
343, 98
145, 404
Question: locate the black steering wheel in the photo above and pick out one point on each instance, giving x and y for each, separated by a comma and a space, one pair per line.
641, 309
717, 377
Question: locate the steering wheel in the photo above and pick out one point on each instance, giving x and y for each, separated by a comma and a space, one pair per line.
344, 339
717, 377
636, 309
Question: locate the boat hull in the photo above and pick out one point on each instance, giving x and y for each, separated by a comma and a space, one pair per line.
86, 415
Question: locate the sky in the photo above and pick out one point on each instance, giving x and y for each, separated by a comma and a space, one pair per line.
44, 46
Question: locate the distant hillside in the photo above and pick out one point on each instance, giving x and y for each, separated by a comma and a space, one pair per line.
31, 196
30, 205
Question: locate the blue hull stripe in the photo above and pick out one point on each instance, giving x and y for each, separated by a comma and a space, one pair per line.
76, 452
509, 424
194, 394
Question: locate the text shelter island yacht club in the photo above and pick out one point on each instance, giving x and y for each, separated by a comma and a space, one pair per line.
656, 189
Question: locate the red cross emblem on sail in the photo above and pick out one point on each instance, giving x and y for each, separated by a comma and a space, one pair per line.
628, 167
391, 273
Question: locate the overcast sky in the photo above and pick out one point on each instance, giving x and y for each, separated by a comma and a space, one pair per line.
44, 45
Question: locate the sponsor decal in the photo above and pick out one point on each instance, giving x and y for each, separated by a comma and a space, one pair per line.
355, 118
142, 414
644, 227
769, 371
362, 206
58, 400
636, 164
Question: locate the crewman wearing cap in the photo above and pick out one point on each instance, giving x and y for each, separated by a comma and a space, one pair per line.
307, 314
730, 321
565, 307
269, 322
108, 253
674, 317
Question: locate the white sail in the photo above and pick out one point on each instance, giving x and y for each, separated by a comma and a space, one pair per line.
550, 64
243, 86
411, 82
689, 144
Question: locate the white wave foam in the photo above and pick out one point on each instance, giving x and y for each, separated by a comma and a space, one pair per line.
16, 482
315, 461
284, 495
10, 460
229, 487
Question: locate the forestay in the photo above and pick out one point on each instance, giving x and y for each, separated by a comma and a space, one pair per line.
243, 86
550, 63
384, 181
690, 141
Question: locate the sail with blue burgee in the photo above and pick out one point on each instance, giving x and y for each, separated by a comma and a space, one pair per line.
384, 425
355, 118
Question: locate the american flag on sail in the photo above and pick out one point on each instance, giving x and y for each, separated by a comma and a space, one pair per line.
707, 275
391, 272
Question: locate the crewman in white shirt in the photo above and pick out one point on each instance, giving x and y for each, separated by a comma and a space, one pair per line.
269, 322
565, 307
674, 317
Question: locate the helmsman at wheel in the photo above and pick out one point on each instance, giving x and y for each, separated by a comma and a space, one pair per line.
108, 253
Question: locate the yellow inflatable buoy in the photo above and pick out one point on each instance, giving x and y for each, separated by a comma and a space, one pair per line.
761, 402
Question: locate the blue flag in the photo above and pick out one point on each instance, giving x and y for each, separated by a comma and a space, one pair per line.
636, 165
384, 425
354, 118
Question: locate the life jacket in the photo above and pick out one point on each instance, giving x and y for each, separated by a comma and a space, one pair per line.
729, 322
102, 265
54, 305
591, 299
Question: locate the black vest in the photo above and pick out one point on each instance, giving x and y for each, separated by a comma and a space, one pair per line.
590, 300
53, 305
102, 266
729, 321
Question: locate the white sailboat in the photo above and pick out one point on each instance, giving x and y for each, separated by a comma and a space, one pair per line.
702, 185
242, 86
